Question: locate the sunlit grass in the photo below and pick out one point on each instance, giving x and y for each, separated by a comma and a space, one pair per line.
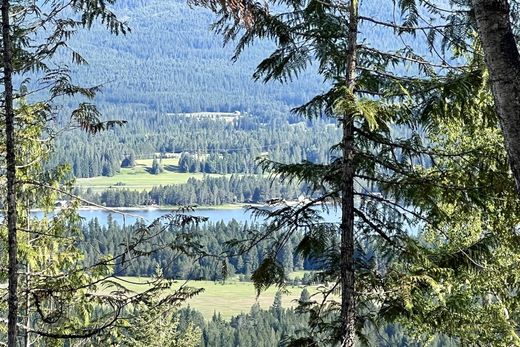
139, 177
229, 298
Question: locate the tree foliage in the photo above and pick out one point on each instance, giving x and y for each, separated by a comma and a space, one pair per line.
58, 298
426, 199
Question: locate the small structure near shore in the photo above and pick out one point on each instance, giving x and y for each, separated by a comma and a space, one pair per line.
62, 203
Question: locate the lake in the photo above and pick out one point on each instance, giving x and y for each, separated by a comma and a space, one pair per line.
149, 215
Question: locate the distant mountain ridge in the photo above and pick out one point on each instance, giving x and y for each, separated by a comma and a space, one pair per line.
172, 62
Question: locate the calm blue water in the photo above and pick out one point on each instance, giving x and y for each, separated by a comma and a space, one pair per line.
213, 215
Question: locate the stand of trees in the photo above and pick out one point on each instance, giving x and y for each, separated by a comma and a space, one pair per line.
423, 178
110, 239
273, 327
204, 145
208, 191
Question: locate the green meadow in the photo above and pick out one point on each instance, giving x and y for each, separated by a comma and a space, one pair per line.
140, 178
229, 298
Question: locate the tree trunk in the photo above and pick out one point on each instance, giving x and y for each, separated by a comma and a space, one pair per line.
503, 61
11, 177
348, 307
27, 322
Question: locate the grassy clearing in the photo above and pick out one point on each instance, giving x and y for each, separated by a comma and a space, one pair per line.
140, 178
230, 298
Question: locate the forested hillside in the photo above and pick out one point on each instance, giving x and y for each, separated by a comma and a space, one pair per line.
171, 63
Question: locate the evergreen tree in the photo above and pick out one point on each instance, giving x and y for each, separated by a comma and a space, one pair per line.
156, 167
379, 178
10, 158
155, 328
129, 160
497, 34
277, 302
305, 296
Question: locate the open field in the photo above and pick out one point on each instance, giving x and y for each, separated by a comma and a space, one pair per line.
230, 298
140, 178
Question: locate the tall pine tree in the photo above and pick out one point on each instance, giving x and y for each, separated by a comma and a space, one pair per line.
382, 177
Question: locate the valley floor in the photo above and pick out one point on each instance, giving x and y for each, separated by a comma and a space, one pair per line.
231, 297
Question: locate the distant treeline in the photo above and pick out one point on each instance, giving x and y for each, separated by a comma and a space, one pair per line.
212, 237
271, 327
256, 328
209, 191
205, 145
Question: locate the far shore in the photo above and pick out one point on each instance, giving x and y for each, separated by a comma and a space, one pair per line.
168, 208
229, 206
160, 208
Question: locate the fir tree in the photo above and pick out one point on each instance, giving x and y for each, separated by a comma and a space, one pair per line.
156, 167
379, 179
305, 296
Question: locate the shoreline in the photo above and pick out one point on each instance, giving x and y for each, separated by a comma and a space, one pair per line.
166, 207
169, 208
158, 208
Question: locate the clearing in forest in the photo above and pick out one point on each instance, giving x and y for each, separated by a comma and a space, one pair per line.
140, 177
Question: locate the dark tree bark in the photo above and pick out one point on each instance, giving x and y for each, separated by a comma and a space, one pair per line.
503, 61
348, 300
11, 177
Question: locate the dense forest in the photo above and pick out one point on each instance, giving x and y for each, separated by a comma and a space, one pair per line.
182, 68
206, 145
208, 191
108, 239
273, 327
